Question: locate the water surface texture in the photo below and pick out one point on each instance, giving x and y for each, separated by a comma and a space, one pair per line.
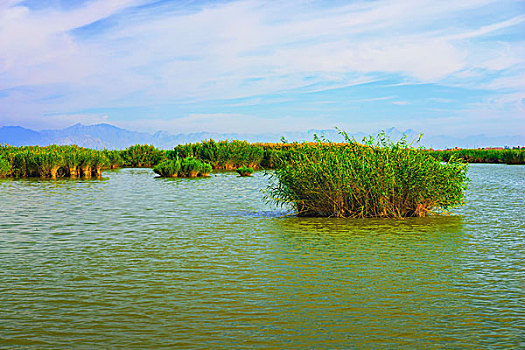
134, 261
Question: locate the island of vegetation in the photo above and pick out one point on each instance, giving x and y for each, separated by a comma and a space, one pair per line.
187, 167
73, 161
376, 178
244, 171
372, 178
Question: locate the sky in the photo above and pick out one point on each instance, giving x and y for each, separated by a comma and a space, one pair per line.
254, 66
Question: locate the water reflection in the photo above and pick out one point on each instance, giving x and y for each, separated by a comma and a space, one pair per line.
383, 282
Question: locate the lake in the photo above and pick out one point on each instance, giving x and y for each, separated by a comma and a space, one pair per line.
135, 261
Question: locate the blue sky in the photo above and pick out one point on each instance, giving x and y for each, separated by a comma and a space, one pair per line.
439, 67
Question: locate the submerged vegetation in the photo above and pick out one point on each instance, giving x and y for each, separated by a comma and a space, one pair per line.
244, 171
376, 179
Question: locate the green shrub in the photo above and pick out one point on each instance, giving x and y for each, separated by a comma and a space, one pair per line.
114, 158
5, 166
168, 168
507, 156
244, 171
187, 167
192, 167
142, 156
54, 161
223, 154
375, 179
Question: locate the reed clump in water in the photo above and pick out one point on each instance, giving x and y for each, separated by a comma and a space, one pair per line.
142, 156
114, 158
376, 178
228, 155
244, 171
5, 167
168, 168
505, 156
187, 167
52, 161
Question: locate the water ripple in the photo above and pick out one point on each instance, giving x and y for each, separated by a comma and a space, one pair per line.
135, 261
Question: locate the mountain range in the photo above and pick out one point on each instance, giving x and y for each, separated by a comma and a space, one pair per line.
99, 136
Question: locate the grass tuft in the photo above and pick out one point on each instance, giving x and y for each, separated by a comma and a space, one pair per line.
244, 171
376, 178
187, 167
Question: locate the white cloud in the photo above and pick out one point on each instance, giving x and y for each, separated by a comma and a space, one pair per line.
227, 50
204, 52
228, 122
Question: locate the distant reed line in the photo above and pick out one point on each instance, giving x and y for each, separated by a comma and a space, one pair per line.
73, 161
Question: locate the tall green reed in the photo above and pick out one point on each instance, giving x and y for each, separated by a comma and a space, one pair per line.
376, 178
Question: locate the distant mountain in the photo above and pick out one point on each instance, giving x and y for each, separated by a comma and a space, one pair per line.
108, 136
96, 136
473, 141
19, 136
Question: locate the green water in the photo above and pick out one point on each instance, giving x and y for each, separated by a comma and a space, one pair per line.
134, 261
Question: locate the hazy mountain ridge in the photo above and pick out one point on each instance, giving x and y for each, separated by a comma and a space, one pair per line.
101, 136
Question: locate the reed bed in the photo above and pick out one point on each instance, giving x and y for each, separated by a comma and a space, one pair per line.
142, 156
187, 167
52, 161
73, 161
5, 166
245, 171
377, 178
505, 156
234, 154
227, 155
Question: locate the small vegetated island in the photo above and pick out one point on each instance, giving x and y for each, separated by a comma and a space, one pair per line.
187, 167
376, 178
372, 178
244, 171
73, 161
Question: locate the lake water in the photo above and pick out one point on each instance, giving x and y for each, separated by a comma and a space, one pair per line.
134, 261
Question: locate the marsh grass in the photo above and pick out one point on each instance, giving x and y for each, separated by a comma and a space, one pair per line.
5, 167
52, 161
227, 155
376, 178
72, 161
187, 167
244, 171
142, 156
505, 156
